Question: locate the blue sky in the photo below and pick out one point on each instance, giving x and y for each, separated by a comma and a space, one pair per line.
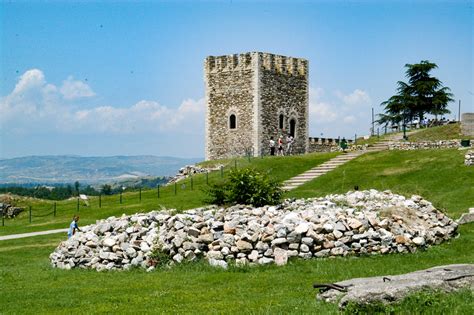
126, 78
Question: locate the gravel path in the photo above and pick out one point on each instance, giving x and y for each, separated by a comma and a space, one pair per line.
15, 236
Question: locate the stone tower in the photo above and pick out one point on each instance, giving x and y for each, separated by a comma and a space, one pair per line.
251, 97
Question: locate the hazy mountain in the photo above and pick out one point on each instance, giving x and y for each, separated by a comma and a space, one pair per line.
90, 170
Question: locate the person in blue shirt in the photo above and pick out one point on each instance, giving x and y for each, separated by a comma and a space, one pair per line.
73, 227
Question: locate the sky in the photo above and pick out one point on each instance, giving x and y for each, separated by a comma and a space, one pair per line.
101, 78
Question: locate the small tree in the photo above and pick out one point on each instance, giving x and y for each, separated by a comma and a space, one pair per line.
246, 186
76, 187
107, 189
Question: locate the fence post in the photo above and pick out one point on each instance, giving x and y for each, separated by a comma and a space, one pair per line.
235, 164
140, 194
3, 218
100, 200
207, 177
54, 211
355, 138
158, 191
175, 188
30, 214
77, 207
192, 186
120, 197
222, 171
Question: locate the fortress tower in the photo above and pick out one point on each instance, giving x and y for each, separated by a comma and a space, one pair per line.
251, 97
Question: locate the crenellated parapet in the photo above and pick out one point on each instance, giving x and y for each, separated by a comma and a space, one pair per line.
271, 62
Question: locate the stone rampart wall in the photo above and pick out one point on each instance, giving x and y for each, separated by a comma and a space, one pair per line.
425, 145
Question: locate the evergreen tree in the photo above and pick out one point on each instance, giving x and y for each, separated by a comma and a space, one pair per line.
423, 94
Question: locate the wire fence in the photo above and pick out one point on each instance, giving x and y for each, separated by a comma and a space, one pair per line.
39, 211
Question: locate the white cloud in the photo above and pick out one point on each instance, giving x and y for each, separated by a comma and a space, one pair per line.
36, 104
349, 119
73, 89
320, 111
357, 97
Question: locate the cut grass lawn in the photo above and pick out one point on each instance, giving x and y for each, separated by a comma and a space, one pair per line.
437, 175
447, 132
30, 285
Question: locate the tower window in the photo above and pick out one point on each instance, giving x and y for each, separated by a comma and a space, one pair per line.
292, 127
232, 121
280, 125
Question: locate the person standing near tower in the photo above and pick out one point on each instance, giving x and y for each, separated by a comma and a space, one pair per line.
272, 146
280, 145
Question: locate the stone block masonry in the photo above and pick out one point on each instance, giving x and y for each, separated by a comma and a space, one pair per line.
251, 97
467, 124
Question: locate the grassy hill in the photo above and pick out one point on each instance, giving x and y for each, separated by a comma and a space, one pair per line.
30, 285
447, 132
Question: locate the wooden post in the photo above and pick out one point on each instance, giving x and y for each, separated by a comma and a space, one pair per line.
100, 200
120, 197
222, 171
235, 164
140, 195
207, 177
175, 188
54, 207
192, 182
158, 191
77, 207
3, 218
30, 214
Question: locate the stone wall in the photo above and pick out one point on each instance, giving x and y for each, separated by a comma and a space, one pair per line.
284, 92
331, 145
467, 124
256, 87
229, 90
441, 144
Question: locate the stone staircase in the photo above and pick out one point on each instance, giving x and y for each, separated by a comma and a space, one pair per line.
328, 166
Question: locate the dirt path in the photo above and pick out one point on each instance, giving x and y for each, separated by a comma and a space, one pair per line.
15, 236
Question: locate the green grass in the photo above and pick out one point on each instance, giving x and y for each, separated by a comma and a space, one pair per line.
30, 285
278, 168
447, 132
437, 175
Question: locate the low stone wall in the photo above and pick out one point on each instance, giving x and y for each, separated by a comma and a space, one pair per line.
469, 158
441, 144
361, 222
331, 145
190, 170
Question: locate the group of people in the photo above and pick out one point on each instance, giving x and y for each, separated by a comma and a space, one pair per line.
278, 145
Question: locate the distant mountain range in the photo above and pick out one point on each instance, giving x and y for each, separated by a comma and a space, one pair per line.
87, 170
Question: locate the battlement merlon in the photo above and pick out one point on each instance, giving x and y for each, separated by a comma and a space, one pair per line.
276, 63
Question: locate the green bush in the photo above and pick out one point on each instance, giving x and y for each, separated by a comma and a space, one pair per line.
245, 186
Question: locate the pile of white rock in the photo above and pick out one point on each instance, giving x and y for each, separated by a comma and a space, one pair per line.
425, 145
360, 222
190, 170
469, 158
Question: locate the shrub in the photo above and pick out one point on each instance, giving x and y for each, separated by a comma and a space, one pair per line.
245, 186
